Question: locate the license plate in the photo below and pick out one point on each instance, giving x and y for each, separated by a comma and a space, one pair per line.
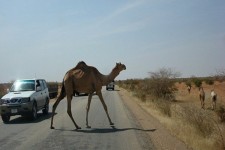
13, 111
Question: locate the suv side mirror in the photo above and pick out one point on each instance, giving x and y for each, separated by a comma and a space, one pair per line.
38, 88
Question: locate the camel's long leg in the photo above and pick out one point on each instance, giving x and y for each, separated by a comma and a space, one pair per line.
54, 108
202, 103
202, 99
88, 107
213, 104
105, 107
69, 99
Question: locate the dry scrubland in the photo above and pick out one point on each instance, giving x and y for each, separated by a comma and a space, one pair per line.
181, 112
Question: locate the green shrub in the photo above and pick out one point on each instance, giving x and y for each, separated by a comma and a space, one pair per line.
209, 81
188, 83
197, 82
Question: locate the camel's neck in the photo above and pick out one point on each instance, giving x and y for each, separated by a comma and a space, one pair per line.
106, 79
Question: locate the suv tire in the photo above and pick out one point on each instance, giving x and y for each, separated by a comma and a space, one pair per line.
34, 112
46, 108
5, 118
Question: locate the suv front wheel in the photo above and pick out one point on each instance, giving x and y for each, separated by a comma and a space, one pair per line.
34, 112
5, 118
46, 108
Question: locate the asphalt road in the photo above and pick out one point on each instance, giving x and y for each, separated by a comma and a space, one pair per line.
127, 134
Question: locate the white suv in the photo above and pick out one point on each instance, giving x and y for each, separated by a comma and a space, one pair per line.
26, 98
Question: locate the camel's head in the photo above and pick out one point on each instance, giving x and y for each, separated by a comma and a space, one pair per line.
120, 66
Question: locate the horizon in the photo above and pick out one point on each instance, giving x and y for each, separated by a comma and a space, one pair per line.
197, 77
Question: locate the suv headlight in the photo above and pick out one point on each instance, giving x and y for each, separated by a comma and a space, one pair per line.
3, 101
25, 100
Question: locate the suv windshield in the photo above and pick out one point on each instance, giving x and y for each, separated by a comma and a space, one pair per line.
23, 85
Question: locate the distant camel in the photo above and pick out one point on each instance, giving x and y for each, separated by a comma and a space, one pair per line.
189, 89
85, 79
213, 98
202, 97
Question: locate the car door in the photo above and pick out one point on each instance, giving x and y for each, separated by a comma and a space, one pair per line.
46, 93
39, 94
43, 93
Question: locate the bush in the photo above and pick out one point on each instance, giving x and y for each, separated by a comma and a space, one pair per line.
199, 119
220, 75
188, 83
129, 84
197, 82
164, 107
1, 95
221, 113
209, 81
161, 84
141, 95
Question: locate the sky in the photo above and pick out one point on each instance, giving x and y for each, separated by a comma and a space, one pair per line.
46, 38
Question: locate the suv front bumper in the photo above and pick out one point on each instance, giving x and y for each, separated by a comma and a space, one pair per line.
16, 109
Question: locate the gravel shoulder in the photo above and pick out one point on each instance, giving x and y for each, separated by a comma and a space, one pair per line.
161, 137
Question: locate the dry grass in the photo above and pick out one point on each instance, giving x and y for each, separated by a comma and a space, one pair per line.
163, 106
201, 120
189, 134
198, 128
220, 111
190, 124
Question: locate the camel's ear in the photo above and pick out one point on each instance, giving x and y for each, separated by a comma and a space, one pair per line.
117, 65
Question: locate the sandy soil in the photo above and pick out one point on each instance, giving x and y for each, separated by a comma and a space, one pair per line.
193, 97
219, 88
161, 137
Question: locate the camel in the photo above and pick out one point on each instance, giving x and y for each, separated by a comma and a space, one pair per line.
213, 98
189, 89
85, 79
202, 97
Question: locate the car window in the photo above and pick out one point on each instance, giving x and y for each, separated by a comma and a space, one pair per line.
45, 85
38, 83
42, 85
23, 85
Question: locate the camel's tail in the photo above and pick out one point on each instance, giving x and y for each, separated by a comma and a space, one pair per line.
62, 93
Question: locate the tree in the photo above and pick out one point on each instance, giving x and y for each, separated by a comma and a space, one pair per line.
220, 75
161, 83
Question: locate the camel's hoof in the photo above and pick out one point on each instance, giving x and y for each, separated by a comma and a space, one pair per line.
88, 127
77, 128
111, 124
52, 127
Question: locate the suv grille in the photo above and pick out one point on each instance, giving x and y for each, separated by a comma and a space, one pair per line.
13, 100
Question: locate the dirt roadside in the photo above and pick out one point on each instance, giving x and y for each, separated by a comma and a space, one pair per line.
161, 137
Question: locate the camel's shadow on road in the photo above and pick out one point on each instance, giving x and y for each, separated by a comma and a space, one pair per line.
109, 130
